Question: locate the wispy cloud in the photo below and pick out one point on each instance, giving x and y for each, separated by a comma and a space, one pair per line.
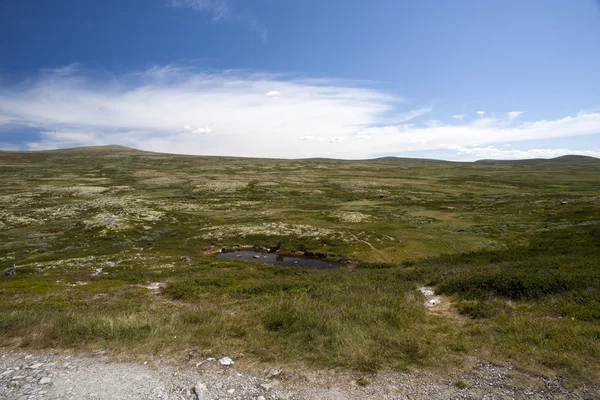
179, 110
197, 131
310, 138
515, 114
222, 11
218, 9
491, 152
458, 116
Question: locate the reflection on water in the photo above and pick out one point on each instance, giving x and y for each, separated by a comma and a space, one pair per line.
279, 259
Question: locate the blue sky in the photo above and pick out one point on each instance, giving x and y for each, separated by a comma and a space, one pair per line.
459, 80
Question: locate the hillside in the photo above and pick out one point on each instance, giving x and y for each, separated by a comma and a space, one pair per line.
116, 248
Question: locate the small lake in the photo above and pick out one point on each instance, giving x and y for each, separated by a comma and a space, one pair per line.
278, 259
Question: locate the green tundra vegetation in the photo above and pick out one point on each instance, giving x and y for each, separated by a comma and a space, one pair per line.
114, 248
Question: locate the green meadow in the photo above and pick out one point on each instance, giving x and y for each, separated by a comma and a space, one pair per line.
115, 248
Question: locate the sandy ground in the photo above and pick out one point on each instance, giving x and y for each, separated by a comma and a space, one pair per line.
45, 376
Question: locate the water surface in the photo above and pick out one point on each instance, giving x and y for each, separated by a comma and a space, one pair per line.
278, 259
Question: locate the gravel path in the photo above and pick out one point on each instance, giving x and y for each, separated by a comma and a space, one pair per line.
38, 376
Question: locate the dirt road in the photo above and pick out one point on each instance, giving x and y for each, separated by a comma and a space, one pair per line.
46, 376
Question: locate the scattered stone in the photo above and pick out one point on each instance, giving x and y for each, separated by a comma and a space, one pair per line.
45, 380
431, 299
226, 361
35, 366
26, 386
18, 377
100, 352
194, 353
201, 391
273, 372
266, 386
231, 391
11, 271
260, 398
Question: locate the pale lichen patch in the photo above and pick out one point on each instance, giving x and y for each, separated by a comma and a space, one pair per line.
351, 216
270, 229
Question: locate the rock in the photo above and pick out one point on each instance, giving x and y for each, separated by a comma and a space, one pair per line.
100, 352
201, 391
226, 361
231, 391
35, 366
256, 256
260, 398
273, 372
194, 353
26, 386
18, 377
45, 380
11, 271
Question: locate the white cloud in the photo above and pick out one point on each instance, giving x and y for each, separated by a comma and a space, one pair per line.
311, 138
197, 131
515, 114
178, 110
481, 113
458, 116
491, 152
273, 93
412, 114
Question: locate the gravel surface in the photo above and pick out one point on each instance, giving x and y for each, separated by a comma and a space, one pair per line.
38, 376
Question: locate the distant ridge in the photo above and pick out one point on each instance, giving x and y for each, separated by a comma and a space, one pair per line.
569, 158
109, 147
94, 149
119, 149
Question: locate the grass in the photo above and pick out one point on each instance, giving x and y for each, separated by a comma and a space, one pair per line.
90, 229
